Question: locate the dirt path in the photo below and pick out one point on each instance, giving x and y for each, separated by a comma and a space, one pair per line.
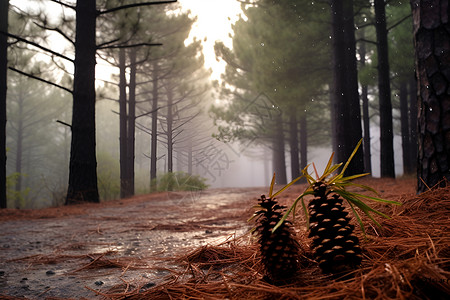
65, 252
80, 251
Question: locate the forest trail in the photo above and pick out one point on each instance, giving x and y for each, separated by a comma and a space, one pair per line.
83, 250
56, 252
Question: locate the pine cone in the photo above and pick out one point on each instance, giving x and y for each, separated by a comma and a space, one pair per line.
279, 250
336, 248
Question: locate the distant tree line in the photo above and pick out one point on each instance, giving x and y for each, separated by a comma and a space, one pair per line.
160, 79
299, 74
335, 69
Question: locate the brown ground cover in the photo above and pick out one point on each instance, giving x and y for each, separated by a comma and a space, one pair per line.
184, 246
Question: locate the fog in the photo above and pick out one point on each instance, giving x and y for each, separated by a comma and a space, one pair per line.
198, 94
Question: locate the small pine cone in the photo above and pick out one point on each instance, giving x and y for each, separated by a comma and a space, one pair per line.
279, 250
336, 248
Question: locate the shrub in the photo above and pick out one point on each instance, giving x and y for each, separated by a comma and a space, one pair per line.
180, 181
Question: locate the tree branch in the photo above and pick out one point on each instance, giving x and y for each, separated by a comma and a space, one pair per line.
57, 30
38, 46
128, 46
399, 22
64, 123
63, 4
40, 79
366, 41
133, 5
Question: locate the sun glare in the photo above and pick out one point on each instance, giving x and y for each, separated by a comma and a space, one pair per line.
214, 19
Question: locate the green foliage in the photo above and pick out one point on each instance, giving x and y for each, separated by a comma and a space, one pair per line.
15, 198
338, 183
180, 181
108, 176
280, 51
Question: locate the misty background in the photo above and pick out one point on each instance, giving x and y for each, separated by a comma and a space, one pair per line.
201, 131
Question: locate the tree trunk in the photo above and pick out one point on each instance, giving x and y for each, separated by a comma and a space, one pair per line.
4, 7
365, 108
19, 145
123, 140
279, 160
404, 125
189, 157
293, 144
432, 45
303, 142
83, 162
154, 136
345, 98
387, 167
412, 91
131, 122
169, 136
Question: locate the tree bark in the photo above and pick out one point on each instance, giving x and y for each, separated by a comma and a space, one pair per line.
123, 118
293, 144
432, 47
365, 109
412, 91
170, 137
19, 144
387, 167
169, 131
345, 98
4, 7
405, 128
83, 162
303, 143
131, 122
279, 159
154, 136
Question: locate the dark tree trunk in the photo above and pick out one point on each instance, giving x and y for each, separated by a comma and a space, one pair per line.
366, 122
387, 167
413, 121
366, 116
4, 4
83, 162
303, 142
404, 124
154, 136
131, 122
293, 144
19, 145
169, 136
189, 157
279, 160
123, 140
345, 98
432, 44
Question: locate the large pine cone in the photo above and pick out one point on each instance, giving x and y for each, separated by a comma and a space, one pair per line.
336, 248
279, 250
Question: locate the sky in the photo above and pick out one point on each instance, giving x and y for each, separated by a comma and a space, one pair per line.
214, 19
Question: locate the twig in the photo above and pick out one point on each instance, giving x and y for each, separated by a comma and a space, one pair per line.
41, 79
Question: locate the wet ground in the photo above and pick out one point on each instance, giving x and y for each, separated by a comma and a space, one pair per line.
78, 252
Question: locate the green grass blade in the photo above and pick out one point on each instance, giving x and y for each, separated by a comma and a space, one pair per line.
351, 157
305, 210
361, 205
330, 161
377, 199
286, 186
272, 183
292, 208
287, 213
349, 178
358, 218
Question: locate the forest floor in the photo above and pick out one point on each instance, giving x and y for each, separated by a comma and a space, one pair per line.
135, 246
